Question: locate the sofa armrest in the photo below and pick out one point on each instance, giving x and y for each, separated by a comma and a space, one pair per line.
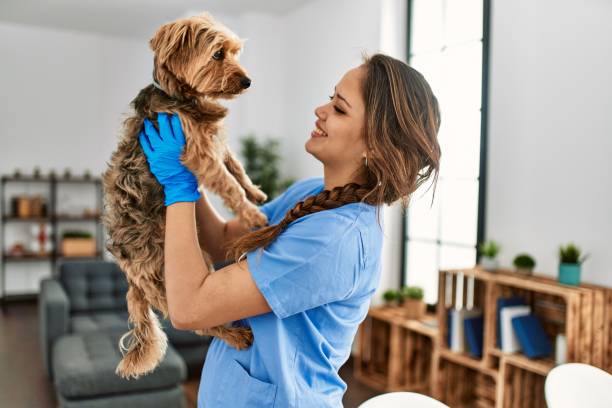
53, 317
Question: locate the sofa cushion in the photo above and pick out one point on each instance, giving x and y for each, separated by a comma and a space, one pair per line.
100, 321
94, 285
84, 366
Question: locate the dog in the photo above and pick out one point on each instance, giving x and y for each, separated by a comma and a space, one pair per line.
195, 64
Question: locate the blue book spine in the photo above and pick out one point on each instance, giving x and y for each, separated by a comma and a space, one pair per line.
474, 333
531, 335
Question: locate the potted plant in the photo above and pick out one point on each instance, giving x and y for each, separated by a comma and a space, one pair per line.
489, 251
412, 301
570, 264
524, 264
391, 297
78, 243
261, 163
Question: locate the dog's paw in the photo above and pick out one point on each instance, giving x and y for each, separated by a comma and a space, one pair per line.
251, 216
255, 195
239, 337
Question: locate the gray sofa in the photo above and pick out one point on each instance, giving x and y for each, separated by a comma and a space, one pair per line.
82, 314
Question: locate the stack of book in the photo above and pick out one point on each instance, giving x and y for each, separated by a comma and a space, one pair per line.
465, 331
520, 330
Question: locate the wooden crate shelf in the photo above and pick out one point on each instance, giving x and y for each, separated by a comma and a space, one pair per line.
393, 352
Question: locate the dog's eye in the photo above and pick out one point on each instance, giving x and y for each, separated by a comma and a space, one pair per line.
218, 55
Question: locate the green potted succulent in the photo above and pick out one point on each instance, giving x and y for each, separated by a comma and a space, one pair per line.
524, 264
570, 264
489, 251
412, 301
391, 297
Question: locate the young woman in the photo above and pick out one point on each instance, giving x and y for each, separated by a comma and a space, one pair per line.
308, 277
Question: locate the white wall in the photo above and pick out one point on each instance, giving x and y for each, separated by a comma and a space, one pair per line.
550, 131
63, 96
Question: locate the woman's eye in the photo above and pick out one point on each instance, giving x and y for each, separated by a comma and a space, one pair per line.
338, 110
218, 55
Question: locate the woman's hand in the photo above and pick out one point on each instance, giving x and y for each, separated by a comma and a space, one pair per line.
163, 150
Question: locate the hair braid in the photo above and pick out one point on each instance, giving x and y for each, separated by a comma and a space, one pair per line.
325, 200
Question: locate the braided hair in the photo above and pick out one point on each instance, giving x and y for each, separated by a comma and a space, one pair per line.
401, 123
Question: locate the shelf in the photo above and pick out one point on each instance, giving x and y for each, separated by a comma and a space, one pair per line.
47, 179
466, 360
34, 257
7, 218
62, 218
26, 257
395, 315
539, 366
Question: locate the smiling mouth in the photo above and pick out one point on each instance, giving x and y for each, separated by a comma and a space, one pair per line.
318, 132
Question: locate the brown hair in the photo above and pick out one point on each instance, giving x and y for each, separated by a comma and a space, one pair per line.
402, 119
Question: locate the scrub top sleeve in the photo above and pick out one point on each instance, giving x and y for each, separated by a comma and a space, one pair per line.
313, 262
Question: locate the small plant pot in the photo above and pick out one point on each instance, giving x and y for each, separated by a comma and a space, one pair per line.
414, 308
390, 303
524, 271
489, 264
569, 273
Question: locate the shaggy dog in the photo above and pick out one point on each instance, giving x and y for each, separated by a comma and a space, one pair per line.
195, 63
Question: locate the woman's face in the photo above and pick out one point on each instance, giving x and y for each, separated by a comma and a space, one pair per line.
337, 139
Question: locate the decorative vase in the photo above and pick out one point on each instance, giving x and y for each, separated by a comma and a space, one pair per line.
524, 271
489, 264
414, 308
569, 273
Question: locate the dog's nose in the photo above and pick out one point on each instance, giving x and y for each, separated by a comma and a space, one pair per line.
245, 82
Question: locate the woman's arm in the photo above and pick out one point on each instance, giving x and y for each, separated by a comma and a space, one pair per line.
214, 232
198, 299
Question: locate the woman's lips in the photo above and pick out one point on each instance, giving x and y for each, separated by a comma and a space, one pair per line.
318, 132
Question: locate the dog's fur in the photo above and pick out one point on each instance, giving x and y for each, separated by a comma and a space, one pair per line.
192, 75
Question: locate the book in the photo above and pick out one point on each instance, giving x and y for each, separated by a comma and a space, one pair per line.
501, 303
509, 341
474, 333
457, 335
531, 335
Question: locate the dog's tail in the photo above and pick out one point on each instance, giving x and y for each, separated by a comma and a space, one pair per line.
148, 342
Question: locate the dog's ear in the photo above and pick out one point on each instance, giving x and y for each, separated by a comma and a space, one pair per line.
168, 39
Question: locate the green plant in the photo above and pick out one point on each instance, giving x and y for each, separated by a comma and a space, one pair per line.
571, 254
524, 261
391, 295
76, 234
489, 248
412, 292
261, 162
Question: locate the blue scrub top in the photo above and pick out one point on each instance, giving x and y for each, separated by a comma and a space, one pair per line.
318, 277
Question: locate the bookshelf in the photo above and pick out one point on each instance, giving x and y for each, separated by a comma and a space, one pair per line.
51, 218
497, 379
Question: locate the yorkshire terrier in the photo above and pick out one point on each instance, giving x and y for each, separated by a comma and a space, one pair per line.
195, 63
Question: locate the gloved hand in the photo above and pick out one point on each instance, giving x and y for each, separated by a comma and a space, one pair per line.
163, 150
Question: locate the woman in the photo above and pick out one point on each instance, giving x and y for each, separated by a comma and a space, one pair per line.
309, 275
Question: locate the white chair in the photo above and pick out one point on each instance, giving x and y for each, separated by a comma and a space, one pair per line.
402, 400
578, 385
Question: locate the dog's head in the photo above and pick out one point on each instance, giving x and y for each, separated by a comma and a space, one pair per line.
200, 53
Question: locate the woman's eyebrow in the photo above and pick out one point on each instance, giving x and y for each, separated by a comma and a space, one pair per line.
341, 97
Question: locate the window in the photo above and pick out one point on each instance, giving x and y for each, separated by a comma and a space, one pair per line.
448, 44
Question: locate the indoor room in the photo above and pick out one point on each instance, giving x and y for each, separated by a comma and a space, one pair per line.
305, 203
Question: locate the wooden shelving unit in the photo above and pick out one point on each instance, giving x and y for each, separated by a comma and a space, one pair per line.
391, 351
501, 380
53, 218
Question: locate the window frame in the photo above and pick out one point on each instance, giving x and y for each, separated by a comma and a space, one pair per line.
482, 173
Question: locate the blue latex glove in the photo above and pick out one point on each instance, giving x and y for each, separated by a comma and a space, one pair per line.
163, 150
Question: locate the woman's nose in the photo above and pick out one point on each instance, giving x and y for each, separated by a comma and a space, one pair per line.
320, 112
